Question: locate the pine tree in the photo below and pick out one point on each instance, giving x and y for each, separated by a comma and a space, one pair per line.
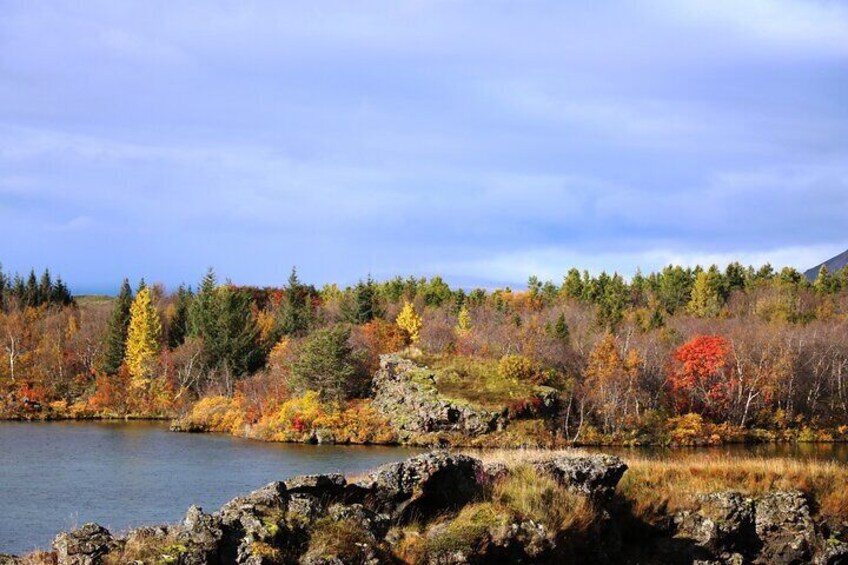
116, 331
4, 289
178, 328
365, 304
222, 318
561, 330
296, 312
327, 364
45, 288
203, 312
235, 342
32, 294
143, 336
825, 282
410, 322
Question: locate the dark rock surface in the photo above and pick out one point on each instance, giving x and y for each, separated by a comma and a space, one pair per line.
83, 546
423, 485
592, 475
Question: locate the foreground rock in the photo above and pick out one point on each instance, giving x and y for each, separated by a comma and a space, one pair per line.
441, 508
595, 475
84, 546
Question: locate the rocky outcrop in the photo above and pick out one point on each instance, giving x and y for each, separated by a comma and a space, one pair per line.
418, 487
84, 546
442, 504
785, 528
722, 528
777, 528
592, 475
406, 394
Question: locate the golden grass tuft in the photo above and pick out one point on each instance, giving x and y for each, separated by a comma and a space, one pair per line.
656, 486
533, 495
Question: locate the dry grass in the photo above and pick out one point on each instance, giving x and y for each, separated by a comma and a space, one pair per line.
153, 548
39, 558
531, 495
657, 486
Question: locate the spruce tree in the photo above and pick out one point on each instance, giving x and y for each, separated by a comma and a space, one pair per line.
561, 330
296, 312
364, 304
45, 288
116, 331
32, 294
222, 318
178, 328
203, 312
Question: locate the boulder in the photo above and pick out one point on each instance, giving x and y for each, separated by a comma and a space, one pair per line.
84, 546
785, 528
423, 486
202, 535
723, 525
595, 476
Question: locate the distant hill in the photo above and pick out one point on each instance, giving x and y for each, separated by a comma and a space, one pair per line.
833, 265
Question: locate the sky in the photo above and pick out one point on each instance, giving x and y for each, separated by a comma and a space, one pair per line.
481, 141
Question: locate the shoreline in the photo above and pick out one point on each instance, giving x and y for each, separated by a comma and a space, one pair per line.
533, 507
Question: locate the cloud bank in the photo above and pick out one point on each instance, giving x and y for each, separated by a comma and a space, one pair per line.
483, 142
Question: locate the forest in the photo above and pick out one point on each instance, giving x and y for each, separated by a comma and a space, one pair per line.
683, 356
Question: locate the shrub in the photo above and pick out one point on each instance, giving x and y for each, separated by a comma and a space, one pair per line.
516, 368
215, 414
295, 419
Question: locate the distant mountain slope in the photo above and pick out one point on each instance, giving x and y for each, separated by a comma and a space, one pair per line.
833, 265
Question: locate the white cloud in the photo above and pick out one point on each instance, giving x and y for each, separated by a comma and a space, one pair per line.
817, 26
552, 263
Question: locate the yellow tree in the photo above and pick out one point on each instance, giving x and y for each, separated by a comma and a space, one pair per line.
611, 382
410, 322
142, 338
463, 322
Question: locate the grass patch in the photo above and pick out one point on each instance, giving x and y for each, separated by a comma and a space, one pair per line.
467, 531
531, 495
657, 486
476, 381
344, 539
148, 548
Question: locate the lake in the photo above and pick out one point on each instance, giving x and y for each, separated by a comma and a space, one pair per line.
57, 475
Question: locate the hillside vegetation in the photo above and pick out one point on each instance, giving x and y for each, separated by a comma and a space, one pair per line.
682, 356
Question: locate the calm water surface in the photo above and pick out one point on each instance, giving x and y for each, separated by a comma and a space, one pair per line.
54, 476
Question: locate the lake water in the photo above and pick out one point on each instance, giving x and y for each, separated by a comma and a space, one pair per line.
54, 476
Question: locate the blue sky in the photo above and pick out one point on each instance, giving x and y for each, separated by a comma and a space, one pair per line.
483, 141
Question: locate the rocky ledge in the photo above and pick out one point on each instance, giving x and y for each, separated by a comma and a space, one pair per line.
434, 508
407, 395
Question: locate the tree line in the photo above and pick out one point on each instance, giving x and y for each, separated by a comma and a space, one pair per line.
743, 346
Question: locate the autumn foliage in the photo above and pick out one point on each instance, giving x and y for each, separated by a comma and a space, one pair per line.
701, 379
